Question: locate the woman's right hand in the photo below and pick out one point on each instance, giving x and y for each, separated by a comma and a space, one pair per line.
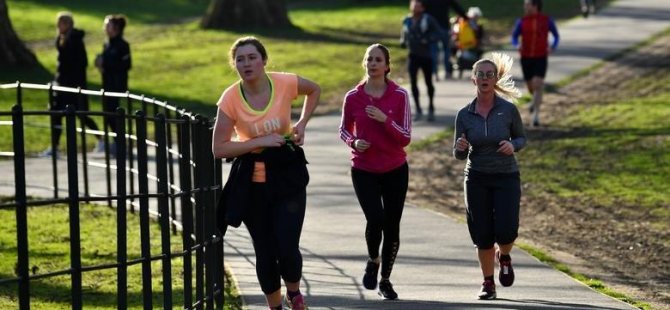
271, 140
361, 145
462, 143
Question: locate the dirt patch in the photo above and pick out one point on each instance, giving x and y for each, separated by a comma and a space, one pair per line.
624, 248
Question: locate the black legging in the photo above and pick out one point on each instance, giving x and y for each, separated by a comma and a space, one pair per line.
275, 225
382, 198
492, 202
61, 101
426, 65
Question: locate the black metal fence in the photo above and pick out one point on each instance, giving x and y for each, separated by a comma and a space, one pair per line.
184, 184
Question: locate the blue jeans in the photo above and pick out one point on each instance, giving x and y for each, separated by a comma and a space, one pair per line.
445, 41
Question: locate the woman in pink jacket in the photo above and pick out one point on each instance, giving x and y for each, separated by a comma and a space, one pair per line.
376, 125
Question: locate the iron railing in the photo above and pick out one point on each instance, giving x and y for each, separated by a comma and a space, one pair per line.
180, 193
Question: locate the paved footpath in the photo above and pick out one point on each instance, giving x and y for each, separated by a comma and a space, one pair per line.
436, 267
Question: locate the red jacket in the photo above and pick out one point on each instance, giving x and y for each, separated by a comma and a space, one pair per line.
388, 139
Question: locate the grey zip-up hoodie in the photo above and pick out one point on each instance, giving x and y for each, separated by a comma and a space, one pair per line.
484, 136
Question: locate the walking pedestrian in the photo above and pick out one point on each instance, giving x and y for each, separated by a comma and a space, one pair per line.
114, 63
376, 125
488, 132
70, 72
440, 9
419, 31
534, 28
266, 188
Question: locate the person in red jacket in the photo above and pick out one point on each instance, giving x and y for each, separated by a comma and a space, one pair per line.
376, 125
534, 28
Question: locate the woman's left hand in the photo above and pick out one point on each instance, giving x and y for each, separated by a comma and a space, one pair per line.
375, 113
506, 147
298, 136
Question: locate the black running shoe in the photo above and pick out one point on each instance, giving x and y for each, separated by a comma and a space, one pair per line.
370, 277
506, 274
386, 290
488, 290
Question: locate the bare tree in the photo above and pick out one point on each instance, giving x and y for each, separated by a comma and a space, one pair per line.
231, 14
12, 50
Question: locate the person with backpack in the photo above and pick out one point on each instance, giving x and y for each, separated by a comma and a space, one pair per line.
419, 31
534, 28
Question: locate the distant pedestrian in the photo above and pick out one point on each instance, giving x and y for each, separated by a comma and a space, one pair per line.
266, 188
587, 7
439, 9
114, 64
419, 31
376, 125
488, 132
534, 29
70, 72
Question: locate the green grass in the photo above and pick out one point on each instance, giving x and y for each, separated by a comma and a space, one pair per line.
175, 60
49, 251
615, 154
590, 282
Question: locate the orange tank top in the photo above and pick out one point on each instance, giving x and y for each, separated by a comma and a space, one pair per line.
275, 118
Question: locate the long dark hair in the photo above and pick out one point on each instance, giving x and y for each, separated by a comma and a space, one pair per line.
387, 56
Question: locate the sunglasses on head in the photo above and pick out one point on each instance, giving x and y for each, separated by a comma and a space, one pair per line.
487, 74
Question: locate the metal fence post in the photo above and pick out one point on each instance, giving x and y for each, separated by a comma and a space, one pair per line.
186, 206
163, 207
73, 206
21, 205
121, 220
143, 181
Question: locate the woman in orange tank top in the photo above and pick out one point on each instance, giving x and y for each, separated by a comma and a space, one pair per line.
257, 109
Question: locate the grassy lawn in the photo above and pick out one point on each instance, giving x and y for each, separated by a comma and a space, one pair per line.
175, 60
48, 228
614, 154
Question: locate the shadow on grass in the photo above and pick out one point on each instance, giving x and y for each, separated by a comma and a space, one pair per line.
50, 292
557, 133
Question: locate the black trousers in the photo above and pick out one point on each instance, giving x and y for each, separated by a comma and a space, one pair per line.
492, 202
61, 101
275, 225
414, 63
382, 198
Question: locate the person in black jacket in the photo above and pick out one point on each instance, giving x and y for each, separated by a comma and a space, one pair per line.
70, 72
439, 9
114, 64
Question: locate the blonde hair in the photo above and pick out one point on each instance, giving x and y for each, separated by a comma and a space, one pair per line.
503, 65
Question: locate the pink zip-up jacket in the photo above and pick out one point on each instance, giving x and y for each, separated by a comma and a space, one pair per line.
388, 139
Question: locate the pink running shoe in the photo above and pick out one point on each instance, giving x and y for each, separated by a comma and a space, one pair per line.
296, 303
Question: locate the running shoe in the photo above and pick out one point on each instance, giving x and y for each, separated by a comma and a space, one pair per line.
488, 290
370, 277
296, 303
386, 290
506, 274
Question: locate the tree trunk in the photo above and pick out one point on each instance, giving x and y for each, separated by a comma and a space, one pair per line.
235, 14
12, 51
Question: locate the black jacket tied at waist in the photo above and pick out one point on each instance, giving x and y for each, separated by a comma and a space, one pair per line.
285, 175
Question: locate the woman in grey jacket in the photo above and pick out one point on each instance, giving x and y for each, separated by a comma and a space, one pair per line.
488, 132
